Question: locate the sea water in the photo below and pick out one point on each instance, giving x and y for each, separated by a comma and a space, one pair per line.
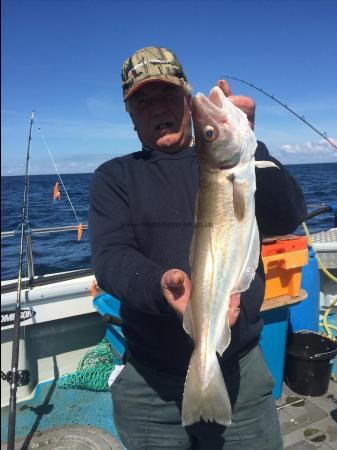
58, 252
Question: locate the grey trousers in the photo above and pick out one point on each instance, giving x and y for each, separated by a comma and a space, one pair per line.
147, 407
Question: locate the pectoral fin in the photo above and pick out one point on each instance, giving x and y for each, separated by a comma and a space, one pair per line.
193, 238
265, 164
239, 202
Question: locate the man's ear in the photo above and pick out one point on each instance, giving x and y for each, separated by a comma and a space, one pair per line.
133, 122
127, 106
127, 109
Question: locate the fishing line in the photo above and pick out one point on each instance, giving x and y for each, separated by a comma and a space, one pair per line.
57, 172
301, 117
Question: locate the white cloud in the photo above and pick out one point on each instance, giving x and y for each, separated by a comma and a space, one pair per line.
310, 151
288, 148
321, 147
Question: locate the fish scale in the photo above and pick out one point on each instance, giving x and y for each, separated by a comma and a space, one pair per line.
224, 251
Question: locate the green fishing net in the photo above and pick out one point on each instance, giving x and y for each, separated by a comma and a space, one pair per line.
93, 370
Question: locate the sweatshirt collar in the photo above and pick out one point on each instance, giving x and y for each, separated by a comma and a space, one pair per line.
147, 149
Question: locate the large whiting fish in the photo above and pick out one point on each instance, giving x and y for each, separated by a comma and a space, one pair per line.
225, 247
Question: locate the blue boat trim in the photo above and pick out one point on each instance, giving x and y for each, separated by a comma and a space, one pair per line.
107, 304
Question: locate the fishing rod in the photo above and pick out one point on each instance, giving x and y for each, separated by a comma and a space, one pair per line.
79, 221
302, 118
15, 377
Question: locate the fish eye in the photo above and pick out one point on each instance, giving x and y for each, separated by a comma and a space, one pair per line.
209, 133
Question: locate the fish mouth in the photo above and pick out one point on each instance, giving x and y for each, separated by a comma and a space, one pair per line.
210, 108
216, 97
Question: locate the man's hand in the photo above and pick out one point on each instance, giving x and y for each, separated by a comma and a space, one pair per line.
246, 104
234, 309
176, 287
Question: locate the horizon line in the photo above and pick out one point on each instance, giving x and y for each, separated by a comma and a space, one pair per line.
88, 173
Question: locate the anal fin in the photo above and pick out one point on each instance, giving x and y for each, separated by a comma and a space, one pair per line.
251, 261
225, 337
188, 321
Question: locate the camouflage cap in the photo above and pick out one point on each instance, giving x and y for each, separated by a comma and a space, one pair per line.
151, 64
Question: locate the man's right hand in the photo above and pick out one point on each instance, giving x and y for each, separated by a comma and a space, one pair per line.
176, 287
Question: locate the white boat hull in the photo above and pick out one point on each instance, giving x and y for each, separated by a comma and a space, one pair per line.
59, 325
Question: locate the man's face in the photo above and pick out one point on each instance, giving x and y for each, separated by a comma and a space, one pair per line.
162, 116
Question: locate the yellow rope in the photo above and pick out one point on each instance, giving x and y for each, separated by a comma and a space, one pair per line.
320, 263
327, 327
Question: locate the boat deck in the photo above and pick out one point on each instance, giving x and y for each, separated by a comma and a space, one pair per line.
310, 424
53, 407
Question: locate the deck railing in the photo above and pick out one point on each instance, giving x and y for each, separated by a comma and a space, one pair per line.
31, 280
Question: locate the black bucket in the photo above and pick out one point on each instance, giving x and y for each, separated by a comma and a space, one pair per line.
308, 365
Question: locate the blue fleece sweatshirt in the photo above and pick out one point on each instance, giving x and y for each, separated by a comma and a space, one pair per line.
141, 223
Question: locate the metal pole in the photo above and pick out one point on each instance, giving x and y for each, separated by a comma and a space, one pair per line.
16, 338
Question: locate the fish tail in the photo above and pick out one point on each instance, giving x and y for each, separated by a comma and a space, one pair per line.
207, 399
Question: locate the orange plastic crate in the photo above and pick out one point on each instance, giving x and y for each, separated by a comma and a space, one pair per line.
283, 259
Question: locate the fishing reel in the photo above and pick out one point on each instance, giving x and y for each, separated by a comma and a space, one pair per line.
20, 378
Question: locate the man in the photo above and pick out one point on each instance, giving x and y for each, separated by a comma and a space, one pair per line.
141, 224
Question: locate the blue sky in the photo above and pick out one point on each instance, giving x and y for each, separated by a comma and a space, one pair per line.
63, 59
